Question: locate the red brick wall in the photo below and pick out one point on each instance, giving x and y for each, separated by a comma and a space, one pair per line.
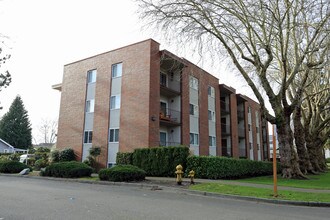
234, 125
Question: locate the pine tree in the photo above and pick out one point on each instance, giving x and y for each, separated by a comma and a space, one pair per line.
15, 127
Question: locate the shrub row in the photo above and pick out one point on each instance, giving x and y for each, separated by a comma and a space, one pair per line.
122, 173
71, 169
159, 161
66, 154
12, 167
124, 158
208, 167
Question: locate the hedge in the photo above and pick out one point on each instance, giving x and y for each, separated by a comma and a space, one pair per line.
160, 161
71, 169
122, 173
12, 167
124, 158
210, 167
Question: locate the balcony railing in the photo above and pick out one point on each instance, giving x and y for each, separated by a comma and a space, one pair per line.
172, 85
168, 116
240, 114
224, 107
225, 129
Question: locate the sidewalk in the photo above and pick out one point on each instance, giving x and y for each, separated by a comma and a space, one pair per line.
228, 182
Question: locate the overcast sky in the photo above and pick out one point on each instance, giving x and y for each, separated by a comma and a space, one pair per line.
44, 35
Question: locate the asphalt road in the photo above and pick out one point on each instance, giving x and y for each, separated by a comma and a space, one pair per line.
26, 198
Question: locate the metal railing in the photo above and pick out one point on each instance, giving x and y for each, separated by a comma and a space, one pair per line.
170, 115
225, 129
224, 106
171, 84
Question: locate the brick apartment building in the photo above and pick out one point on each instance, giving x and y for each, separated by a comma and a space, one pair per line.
138, 96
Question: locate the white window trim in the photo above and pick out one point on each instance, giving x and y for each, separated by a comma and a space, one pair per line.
115, 64
88, 137
117, 106
195, 142
193, 83
214, 141
114, 134
94, 74
90, 108
212, 95
212, 115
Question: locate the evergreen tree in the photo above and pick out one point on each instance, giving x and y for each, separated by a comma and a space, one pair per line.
15, 127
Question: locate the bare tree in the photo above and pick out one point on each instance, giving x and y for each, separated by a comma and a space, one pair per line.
262, 38
5, 77
48, 131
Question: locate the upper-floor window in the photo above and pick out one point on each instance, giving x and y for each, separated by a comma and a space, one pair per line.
211, 115
88, 137
114, 135
115, 102
91, 76
249, 109
194, 139
90, 105
210, 91
117, 70
193, 82
193, 109
212, 141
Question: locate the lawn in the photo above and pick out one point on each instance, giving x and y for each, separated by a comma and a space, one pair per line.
321, 181
260, 192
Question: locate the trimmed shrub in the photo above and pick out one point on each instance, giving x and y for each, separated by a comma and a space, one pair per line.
12, 167
41, 163
67, 155
122, 173
209, 167
160, 161
124, 158
71, 169
55, 156
327, 160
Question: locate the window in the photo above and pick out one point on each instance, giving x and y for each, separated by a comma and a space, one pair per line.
90, 105
249, 109
257, 129
115, 102
212, 141
211, 115
91, 76
114, 135
194, 139
163, 108
162, 138
117, 70
250, 145
210, 91
88, 137
249, 126
193, 82
193, 109
258, 146
163, 79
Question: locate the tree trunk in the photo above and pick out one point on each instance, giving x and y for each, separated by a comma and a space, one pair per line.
315, 149
289, 157
299, 137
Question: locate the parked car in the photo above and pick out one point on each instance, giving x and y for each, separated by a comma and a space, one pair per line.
25, 157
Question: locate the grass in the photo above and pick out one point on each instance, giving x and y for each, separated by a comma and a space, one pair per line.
93, 178
260, 192
321, 181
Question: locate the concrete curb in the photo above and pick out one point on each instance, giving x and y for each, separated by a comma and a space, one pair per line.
183, 191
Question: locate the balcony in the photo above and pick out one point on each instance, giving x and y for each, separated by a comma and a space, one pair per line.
169, 117
225, 129
240, 115
241, 132
224, 108
170, 87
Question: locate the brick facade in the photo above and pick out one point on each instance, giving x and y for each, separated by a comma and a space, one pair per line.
140, 102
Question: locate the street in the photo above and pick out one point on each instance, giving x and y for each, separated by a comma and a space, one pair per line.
27, 198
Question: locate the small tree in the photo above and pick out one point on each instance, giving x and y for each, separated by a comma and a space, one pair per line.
92, 159
15, 127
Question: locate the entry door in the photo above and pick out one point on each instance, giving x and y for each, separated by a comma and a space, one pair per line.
163, 108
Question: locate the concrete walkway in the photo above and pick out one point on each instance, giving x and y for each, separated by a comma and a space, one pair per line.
228, 182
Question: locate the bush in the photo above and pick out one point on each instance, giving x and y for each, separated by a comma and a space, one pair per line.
41, 163
160, 161
209, 167
67, 155
55, 156
124, 158
12, 167
122, 173
71, 169
327, 160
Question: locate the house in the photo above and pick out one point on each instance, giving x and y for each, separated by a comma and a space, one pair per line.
139, 96
7, 148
